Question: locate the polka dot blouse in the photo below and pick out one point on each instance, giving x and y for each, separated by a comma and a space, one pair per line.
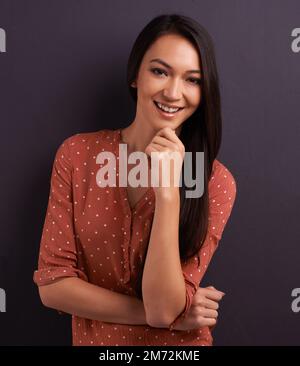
92, 233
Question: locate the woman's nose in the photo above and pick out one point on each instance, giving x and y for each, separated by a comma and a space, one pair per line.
172, 90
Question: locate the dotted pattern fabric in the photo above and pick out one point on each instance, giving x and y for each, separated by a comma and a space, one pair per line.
92, 233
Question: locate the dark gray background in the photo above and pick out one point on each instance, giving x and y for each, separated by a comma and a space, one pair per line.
64, 73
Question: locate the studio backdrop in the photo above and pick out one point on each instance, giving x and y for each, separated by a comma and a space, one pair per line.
63, 71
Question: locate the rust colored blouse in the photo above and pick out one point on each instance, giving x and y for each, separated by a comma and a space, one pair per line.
92, 233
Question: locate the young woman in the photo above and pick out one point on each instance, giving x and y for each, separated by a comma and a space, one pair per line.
127, 262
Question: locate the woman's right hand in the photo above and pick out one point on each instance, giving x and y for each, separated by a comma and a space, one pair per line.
203, 311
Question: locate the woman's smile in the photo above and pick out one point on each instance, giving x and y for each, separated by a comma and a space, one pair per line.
164, 113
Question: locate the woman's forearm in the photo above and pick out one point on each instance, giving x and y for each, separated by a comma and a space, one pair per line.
163, 285
77, 297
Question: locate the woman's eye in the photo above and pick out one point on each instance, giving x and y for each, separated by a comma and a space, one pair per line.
158, 71
195, 81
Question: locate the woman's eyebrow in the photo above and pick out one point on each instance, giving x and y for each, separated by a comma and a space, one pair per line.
170, 67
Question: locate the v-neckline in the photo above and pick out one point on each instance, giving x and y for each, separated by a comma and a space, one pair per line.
147, 195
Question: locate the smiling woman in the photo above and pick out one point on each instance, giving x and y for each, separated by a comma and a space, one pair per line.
172, 88
127, 262
173, 63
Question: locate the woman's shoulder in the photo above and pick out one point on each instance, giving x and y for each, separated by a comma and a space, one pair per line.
220, 170
222, 177
84, 144
104, 136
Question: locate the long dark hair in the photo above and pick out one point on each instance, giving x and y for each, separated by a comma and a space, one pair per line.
200, 132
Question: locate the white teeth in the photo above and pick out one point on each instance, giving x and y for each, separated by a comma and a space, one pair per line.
167, 109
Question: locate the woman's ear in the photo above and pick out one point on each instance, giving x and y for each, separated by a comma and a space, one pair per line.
133, 84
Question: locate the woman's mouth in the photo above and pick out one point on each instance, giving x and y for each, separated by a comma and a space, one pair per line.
165, 111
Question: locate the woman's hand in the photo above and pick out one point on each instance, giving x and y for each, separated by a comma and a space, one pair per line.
164, 143
203, 311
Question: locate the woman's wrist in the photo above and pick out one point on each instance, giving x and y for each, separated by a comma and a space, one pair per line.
167, 194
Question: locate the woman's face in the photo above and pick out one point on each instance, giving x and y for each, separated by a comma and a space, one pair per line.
169, 81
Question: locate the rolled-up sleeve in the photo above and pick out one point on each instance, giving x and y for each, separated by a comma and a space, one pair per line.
58, 252
222, 194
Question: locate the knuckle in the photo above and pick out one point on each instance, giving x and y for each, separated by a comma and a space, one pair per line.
201, 302
199, 310
199, 319
213, 321
177, 148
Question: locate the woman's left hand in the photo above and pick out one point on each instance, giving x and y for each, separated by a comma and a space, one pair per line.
164, 143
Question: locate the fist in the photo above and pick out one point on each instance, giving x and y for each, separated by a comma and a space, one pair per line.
166, 153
